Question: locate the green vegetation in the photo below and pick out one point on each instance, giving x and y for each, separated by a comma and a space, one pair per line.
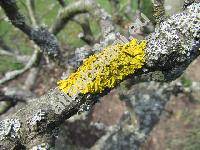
192, 141
186, 81
190, 138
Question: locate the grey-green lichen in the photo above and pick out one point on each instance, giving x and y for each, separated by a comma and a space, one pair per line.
177, 34
9, 128
158, 76
42, 146
37, 117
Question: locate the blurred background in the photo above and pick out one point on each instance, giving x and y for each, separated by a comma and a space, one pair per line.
179, 125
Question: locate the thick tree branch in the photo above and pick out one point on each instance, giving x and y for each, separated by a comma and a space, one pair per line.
170, 49
62, 3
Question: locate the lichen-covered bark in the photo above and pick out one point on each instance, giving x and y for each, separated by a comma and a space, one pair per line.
170, 49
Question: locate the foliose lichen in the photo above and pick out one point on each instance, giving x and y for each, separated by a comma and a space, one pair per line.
42, 146
178, 33
9, 128
37, 117
105, 69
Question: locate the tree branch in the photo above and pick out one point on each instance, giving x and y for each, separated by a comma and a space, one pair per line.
31, 10
4, 46
68, 13
170, 49
32, 76
10, 101
41, 36
81, 6
21, 58
159, 10
83, 21
87, 35
13, 74
62, 3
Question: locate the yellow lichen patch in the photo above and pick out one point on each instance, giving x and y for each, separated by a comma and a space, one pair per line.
105, 69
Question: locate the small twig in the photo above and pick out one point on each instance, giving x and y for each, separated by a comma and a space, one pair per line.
13, 74
34, 71
31, 78
8, 101
62, 3
83, 21
12, 99
87, 35
5, 52
31, 10
21, 58
4, 46
159, 10
79, 7
67, 13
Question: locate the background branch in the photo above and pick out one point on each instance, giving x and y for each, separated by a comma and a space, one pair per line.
159, 10
4, 46
34, 71
13, 74
62, 3
86, 35
41, 36
79, 7
21, 58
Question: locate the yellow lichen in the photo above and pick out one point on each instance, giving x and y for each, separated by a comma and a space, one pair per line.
105, 69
